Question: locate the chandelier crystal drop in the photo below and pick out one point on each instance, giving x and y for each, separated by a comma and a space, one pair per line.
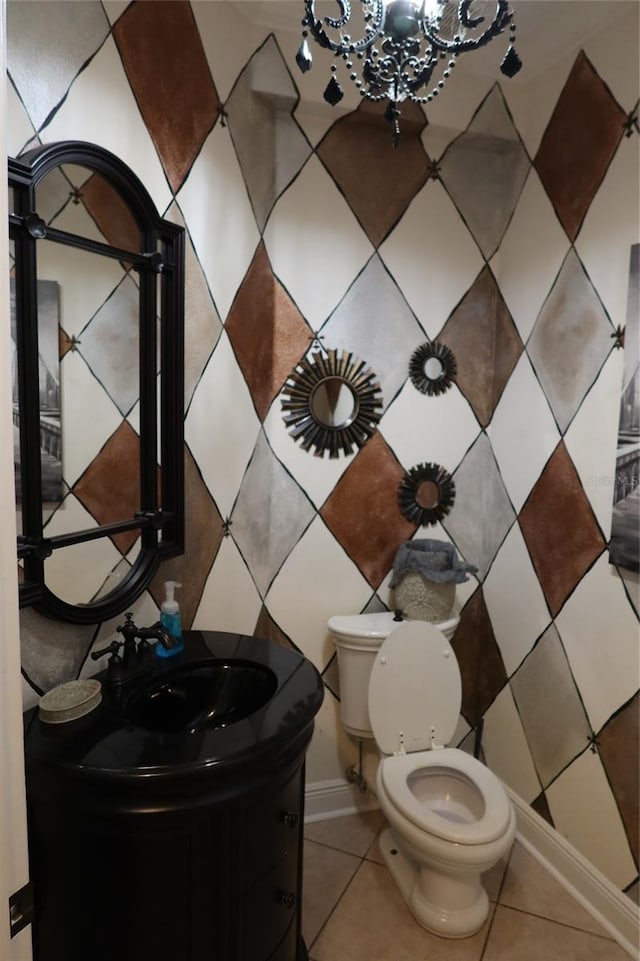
403, 49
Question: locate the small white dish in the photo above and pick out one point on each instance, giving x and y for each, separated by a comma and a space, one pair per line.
69, 701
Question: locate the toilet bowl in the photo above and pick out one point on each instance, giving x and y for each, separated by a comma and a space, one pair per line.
449, 817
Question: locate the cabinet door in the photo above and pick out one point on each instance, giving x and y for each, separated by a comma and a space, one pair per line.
268, 909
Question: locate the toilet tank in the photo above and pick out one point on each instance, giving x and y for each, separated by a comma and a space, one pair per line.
358, 638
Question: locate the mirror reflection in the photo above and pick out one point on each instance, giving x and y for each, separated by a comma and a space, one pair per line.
428, 495
333, 402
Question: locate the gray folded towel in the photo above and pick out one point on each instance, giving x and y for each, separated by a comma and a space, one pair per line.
436, 561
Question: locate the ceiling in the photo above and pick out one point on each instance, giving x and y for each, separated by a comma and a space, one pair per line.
547, 29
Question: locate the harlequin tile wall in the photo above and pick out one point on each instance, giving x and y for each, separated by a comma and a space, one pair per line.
501, 227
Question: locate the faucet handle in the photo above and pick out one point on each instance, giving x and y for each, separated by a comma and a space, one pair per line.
111, 649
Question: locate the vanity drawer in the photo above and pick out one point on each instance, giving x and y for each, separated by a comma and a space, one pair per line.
268, 910
271, 831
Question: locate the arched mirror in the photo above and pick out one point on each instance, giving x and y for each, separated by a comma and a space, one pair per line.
426, 494
432, 368
331, 403
97, 295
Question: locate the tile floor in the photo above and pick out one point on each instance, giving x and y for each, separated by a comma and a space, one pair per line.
354, 912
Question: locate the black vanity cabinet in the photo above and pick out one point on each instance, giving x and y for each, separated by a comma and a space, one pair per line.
173, 847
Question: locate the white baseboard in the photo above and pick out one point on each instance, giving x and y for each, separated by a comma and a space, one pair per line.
609, 906
333, 799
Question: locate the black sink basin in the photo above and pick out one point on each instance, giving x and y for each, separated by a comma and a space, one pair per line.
199, 696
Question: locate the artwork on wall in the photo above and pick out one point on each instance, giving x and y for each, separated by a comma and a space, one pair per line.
624, 547
49, 381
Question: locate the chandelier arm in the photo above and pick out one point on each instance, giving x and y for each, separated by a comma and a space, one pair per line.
353, 46
502, 18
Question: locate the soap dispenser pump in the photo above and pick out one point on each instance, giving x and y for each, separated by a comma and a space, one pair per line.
170, 620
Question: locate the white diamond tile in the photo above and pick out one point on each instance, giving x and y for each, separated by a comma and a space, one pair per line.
89, 416
221, 427
613, 51
530, 255
302, 610
592, 439
599, 631
76, 573
226, 214
581, 799
230, 601
19, 128
421, 429
317, 476
29, 697
433, 268
228, 38
74, 31
505, 747
315, 244
523, 432
610, 227
117, 125
514, 599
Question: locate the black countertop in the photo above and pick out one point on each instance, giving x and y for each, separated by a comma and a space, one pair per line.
105, 746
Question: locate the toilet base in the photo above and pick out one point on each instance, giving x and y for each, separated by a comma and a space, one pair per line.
449, 904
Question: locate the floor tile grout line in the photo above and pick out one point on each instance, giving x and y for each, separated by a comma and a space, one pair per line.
497, 904
342, 894
332, 847
563, 924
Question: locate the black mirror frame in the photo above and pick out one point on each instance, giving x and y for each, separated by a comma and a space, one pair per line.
417, 368
161, 525
408, 494
297, 407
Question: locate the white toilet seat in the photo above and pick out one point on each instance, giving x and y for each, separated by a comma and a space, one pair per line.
490, 825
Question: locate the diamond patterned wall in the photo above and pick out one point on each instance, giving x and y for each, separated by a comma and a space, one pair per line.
503, 228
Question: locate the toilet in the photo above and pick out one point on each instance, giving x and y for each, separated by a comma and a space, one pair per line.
449, 817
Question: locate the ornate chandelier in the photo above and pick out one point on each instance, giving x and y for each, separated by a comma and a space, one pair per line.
404, 49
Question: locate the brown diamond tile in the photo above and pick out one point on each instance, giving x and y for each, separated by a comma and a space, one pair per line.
481, 666
560, 529
266, 627
486, 344
267, 332
363, 513
619, 746
541, 807
111, 214
378, 181
203, 536
110, 487
579, 143
64, 343
167, 68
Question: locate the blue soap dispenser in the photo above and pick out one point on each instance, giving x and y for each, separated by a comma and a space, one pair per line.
170, 620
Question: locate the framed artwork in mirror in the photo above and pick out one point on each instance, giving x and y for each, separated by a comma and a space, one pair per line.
331, 403
432, 368
426, 494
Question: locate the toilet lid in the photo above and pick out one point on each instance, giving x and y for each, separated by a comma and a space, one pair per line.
415, 691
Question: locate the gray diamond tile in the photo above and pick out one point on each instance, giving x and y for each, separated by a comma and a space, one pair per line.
482, 512
264, 532
544, 687
484, 171
271, 147
109, 344
375, 322
75, 31
570, 341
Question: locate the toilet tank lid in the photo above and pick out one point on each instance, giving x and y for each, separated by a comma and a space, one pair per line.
376, 626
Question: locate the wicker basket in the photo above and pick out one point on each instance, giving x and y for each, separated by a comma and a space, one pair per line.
424, 600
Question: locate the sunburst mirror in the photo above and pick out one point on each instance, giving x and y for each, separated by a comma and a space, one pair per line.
331, 403
432, 368
426, 494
